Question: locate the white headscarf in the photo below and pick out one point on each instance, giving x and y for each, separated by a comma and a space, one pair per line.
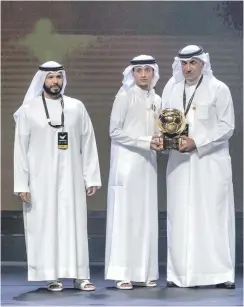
36, 87
142, 61
186, 54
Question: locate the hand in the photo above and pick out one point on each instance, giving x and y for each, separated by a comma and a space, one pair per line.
91, 191
25, 197
187, 145
157, 143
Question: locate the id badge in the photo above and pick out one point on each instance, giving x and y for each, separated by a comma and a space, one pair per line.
62, 140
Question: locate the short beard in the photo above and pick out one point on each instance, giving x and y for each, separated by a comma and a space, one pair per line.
50, 93
192, 80
144, 87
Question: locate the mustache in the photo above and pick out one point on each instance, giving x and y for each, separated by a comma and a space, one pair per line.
55, 86
48, 89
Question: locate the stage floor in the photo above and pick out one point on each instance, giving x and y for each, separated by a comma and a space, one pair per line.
17, 291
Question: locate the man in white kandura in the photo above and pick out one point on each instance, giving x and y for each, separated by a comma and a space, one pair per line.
200, 202
55, 165
132, 207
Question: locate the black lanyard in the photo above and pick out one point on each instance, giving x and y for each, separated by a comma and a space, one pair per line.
190, 101
47, 114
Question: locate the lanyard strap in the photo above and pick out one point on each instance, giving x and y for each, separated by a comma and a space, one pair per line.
190, 101
47, 114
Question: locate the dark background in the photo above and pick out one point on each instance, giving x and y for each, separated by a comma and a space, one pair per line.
95, 41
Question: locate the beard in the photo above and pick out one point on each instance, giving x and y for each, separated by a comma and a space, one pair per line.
55, 93
144, 85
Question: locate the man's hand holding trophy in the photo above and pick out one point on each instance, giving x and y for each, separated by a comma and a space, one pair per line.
157, 143
173, 132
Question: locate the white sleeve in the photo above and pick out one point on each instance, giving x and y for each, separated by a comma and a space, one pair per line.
90, 160
226, 123
117, 133
21, 145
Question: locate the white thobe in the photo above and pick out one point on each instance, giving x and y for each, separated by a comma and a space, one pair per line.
56, 220
200, 203
132, 207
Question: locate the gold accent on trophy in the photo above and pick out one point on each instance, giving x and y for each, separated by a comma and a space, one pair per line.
172, 125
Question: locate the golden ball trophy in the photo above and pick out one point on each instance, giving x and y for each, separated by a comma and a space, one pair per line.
172, 125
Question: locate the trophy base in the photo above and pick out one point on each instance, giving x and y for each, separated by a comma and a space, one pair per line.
171, 143
174, 141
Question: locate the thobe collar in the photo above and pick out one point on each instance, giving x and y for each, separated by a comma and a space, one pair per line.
143, 93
